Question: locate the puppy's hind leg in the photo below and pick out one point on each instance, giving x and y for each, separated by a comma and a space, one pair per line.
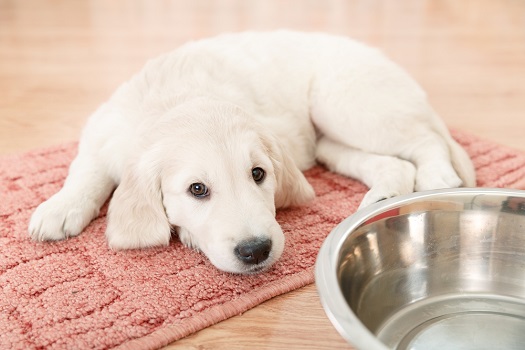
71, 209
386, 176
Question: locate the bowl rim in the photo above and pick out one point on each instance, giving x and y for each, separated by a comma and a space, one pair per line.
334, 303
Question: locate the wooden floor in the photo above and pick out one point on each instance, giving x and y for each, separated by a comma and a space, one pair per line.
60, 59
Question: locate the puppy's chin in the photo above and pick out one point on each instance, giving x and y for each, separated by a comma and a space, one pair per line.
253, 270
232, 265
246, 269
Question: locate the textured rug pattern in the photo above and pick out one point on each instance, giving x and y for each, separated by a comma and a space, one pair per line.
79, 294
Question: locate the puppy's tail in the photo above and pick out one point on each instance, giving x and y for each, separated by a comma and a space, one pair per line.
460, 159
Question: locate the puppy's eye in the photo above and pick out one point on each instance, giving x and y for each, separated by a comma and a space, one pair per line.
199, 190
258, 175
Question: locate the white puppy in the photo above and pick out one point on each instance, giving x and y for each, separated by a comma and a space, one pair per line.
207, 141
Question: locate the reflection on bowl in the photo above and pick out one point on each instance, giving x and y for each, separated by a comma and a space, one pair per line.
442, 269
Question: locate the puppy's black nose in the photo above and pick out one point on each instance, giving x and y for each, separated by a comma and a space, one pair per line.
253, 251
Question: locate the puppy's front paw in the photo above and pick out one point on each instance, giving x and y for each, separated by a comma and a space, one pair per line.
60, 217
377, 195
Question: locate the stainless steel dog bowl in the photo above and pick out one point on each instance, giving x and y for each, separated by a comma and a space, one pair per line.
440, 270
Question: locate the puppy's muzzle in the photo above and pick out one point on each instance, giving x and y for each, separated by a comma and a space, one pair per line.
253, 251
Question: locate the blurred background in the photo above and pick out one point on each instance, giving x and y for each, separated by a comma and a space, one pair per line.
61, 59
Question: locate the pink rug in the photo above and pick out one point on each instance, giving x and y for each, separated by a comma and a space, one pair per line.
78, 294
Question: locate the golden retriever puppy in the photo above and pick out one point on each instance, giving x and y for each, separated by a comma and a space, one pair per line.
210, 139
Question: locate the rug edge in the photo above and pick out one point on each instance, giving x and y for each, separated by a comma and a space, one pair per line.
171, 333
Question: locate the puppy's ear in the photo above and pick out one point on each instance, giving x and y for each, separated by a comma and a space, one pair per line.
136, 215
292, 187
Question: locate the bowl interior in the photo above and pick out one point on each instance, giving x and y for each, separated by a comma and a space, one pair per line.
439, 272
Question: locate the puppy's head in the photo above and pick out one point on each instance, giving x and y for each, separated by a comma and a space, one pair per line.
215, 176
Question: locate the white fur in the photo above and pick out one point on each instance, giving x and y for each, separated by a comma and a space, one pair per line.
214, 109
